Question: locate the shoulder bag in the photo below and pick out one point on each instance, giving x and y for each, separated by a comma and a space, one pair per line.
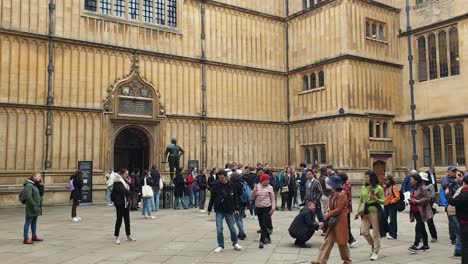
147, 191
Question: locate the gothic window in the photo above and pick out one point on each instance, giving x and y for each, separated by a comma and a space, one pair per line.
304, 4
381, 33
419, 1
148, 10
321, 79
427, 146
160, 12
307, 156
448, 145
305, 83
133, 9
443, 54
437, 146
374, 30
459, 144
119, 8
377, 129
315, 155
454, 56
105, 7
311, 3
368, 30
385, 130
172, 13
90, 5
323, 155
422, 63
371, 129
431, 41
313, 81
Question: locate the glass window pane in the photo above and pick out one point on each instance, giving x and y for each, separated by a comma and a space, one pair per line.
172, 13
321, 77
315, 155
323, 155
454, 55
460, 144
427, 146
307, 156
448, 145
431, 40
371, 129
90, 5
422, 63
374, 30
148, 10
368, 29
160, 5
305, 83
119, 8
133, 9
313, 81
381, 33
443, 54
385, 130
437, 146
105, 7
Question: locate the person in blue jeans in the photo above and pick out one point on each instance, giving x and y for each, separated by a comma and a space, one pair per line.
225, 205
156, 176
33, 191
238, 184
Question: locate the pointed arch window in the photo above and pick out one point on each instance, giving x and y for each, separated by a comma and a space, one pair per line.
321, 79
437, 145
454, 55
422, 62
385, 129
305, 83
448, 148
377, 129
323, 155
315, 155
90, 5
368, 29
427, 146
307, 156
313, 81
304, 4
381, 33
459, 144
371, 129
443, 65
431, 42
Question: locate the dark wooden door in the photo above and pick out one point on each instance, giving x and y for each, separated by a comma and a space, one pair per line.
379, 169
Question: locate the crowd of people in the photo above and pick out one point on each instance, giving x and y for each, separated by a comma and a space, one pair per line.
325, 202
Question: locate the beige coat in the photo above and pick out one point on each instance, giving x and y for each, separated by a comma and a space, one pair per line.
424, 205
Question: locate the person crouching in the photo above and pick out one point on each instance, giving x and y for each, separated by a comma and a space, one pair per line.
304, 226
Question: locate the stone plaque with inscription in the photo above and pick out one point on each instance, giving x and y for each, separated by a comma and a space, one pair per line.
136, 107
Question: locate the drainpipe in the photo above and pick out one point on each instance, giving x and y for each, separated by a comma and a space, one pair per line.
286, 27
411, 84
50, 87
203, 64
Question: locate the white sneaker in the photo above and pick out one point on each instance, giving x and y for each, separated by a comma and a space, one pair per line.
255, 217
79, 219
146, 217
129, 238
117, 241
218, 250
374, 256
74, 219
237, 247
390, 237
152, 217
353, 244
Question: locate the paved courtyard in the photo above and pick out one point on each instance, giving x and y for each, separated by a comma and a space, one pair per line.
186, 236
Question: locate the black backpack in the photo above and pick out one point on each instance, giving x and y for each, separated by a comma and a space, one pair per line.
400, 206
21, 198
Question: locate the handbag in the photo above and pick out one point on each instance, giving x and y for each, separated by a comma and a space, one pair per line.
332, 221
161, 184
147, 191
285, 189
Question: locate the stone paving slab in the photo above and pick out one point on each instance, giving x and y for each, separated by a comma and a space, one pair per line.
187, 236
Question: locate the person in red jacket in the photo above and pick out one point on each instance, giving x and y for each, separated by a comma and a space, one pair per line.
191, 178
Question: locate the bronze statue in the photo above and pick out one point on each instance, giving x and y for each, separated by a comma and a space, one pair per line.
173, 154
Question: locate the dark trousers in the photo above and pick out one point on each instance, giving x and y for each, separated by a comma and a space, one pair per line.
464, 242
74, 206
420, 230
391, 212
302, 194
351, 237
134, 200
452, 229
264, 220
303, 238
124, 213
286, 198
173, 166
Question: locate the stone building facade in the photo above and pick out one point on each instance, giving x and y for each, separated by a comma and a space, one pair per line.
112, 81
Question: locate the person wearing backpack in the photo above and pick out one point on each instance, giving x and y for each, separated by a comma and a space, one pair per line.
76, 194
32, 194
238, 185
392, 197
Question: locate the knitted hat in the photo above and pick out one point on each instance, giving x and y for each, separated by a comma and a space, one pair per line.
264, 177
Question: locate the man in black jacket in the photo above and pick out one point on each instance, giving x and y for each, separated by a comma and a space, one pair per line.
238, 185
225, 206
461, 205
432, 177
156, 176
303, 227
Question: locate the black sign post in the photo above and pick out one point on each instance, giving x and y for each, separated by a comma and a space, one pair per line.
192, 164
86, 167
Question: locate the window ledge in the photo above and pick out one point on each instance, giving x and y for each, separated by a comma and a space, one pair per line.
312, 90
439, 78
380, 139
133, 22
377, 40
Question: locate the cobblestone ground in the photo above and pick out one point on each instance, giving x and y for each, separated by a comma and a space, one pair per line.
187, 236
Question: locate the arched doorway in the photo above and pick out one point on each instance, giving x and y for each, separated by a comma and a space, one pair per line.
379, 169
131, 150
